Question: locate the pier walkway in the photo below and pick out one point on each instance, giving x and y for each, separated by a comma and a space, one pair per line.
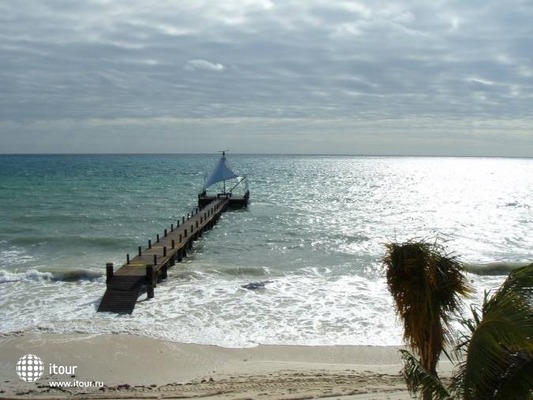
150, 265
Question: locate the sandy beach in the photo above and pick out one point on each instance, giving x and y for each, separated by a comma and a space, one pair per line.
121, 366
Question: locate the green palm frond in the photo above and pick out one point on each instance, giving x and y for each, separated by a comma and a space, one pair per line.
519, 282
500, 349
516, 383
418, 379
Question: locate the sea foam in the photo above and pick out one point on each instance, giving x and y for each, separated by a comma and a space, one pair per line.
64, 275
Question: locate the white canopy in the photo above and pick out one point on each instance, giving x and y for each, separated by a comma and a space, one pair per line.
222, 172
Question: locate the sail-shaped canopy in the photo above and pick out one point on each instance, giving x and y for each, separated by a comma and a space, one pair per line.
222, 172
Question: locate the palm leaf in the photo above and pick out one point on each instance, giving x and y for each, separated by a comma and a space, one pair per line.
500, 349
418, 379
517, 381
426, 284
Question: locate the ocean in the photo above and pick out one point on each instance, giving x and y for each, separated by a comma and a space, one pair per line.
314, 235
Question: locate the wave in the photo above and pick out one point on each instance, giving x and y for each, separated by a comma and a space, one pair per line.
494, 268
95, 242
64, 275
242, 271
76, 274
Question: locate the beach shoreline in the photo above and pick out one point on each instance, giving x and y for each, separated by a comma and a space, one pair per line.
128, 366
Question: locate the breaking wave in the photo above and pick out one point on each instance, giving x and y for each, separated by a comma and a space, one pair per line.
494, 268
68, 275
69, 240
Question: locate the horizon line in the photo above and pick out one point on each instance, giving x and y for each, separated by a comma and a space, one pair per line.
261, 154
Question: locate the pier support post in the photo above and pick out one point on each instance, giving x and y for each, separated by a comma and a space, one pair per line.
109, 272
150, 281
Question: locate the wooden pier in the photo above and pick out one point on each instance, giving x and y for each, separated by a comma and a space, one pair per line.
150, 265
234, 201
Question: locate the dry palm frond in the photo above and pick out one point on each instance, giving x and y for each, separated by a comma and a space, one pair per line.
425, 283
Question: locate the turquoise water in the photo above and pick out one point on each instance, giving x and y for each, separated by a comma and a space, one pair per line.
314, 232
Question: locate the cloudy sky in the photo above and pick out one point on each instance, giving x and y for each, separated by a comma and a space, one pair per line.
265, 76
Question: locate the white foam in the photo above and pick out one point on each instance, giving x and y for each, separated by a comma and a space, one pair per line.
30, 275
289, 310
15, 256
312, 307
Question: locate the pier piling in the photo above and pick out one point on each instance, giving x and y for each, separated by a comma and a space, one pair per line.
109, 271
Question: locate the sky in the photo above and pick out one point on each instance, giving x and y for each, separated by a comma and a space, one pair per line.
265, 76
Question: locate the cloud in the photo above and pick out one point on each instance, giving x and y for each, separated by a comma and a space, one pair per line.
203, 65
287, 61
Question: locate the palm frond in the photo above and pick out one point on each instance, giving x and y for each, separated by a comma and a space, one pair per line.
418, 379
500, 349
426, 284
517, 383
497, 347
519, 282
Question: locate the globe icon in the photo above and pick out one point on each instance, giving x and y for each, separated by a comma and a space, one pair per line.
30, 368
